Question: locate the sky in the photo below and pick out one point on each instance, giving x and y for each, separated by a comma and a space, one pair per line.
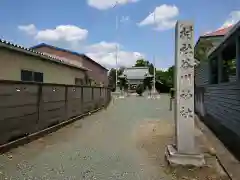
99, 27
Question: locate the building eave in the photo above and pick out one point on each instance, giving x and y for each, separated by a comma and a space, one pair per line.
225, 38
206, 37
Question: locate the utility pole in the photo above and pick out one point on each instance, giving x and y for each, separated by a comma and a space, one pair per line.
154, 76
116, 27
154, 70
116, 66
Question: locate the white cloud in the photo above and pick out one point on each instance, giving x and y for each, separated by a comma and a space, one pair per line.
105, 54
29, 29
70, 37
232, 19
106, 4
102, 46
165, 17
64, 35
67, 33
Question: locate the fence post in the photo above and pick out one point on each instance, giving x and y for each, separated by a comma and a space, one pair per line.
106, 97
82, 106
92, 93
102, 97
66, 102
171, 98
170, 108
109, 96
196, 95
39, 99
203, 93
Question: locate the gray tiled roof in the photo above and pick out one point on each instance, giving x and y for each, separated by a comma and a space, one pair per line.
136, 73
6, 44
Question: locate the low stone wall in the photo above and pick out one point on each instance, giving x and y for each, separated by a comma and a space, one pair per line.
26, 108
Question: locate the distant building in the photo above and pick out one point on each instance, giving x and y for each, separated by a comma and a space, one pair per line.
97, 73
135, 76
23, 64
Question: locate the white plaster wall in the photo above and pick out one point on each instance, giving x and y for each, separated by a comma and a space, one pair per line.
11, 63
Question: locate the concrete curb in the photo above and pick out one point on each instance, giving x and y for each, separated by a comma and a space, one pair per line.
31, 137
228, 162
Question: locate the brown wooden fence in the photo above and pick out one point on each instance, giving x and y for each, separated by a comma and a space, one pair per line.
26, 108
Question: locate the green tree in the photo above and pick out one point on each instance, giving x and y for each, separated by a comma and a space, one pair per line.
166, 77
120, 70
170, 76
151, 69
145, 63
112, 77
141, 63
123, 82
147, 83
202, 49
140, 89
126, 86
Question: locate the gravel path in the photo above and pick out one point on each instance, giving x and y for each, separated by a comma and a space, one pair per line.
101, 146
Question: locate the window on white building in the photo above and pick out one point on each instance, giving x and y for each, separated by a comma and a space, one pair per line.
78, 81
31, 76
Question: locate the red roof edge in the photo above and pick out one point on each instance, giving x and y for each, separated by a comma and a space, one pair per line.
69, 51
219, 32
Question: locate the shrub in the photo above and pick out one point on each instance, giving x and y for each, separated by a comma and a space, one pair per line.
140, 89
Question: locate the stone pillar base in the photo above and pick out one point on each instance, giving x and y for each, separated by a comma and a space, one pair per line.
157, 97
174, 158
154, 97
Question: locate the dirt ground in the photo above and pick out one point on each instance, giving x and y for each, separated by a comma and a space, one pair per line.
153, 136
125, 141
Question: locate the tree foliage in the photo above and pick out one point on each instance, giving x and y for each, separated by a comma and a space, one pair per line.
166, 77
202, 49
141, 63
123, 83
147, 83
145, 63
151, 69
112, 77
140, 89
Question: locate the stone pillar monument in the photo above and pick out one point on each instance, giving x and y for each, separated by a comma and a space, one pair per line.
184, 152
